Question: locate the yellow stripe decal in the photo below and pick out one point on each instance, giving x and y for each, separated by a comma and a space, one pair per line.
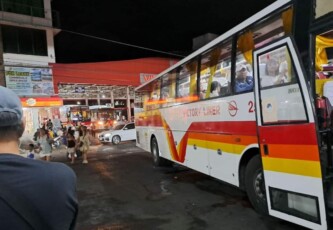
298, 167
224, 147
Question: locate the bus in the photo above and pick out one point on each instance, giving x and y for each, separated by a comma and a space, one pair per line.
104, 117
79, 114
252, 108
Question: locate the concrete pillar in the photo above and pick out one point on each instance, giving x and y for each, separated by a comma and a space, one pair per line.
98, 97
129, 115
112, 98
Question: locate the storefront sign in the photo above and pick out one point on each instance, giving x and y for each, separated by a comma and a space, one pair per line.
144, 77
26, 81
42, 102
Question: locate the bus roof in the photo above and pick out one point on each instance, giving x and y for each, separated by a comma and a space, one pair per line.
269, 9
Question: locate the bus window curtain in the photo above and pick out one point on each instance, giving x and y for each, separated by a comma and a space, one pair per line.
172, 91
192, 67
321, 56
246, 45
214, 58
287, 20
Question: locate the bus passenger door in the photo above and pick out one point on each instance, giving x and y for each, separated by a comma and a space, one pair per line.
287, 137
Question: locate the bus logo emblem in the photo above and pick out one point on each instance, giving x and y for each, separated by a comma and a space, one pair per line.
232, 108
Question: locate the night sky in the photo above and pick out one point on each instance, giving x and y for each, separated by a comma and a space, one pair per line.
165, 25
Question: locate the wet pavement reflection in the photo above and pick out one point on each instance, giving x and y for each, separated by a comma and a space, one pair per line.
121, 189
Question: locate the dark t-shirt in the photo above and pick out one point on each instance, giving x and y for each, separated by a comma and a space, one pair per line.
48, 188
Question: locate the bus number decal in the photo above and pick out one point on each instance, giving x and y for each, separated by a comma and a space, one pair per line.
251, 104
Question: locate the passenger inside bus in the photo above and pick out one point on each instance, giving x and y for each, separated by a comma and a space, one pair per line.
202, 90
244, 81
181, 91
215, 89
165, 93
275, 73
283, 73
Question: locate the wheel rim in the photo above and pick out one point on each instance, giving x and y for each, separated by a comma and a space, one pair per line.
259, 185
116, 140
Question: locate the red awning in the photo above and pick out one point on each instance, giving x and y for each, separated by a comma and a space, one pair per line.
125, 73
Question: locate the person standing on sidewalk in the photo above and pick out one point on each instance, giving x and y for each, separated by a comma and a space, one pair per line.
34, 194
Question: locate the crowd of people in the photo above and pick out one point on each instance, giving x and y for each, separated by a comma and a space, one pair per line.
44, 141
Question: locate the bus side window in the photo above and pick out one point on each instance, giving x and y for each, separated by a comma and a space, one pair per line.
187, 82
215, 72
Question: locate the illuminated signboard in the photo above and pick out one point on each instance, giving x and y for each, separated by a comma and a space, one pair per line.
41, 102
144, 77
26, 81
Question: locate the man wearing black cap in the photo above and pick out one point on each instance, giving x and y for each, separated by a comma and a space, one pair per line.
33, 194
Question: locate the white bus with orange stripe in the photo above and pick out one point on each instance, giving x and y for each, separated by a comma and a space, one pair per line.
263, 132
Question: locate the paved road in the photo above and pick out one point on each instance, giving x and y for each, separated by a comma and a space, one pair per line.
120, 189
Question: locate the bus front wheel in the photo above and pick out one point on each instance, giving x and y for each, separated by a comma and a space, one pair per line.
255, 185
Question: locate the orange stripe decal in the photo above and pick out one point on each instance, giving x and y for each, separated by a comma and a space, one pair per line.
297, 152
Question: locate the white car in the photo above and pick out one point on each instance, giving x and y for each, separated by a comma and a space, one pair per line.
122, 132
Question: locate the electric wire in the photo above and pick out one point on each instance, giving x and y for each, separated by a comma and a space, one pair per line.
122, 43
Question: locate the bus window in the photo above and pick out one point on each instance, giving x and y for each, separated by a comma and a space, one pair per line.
263, 33
270, 30
243, 73
155, 92
187, 82
275, 68
215, 72
283, 103
151, 95
168, 86
80, 114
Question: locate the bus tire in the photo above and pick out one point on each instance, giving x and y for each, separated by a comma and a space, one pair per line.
255, 185
157, 160
116, 140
